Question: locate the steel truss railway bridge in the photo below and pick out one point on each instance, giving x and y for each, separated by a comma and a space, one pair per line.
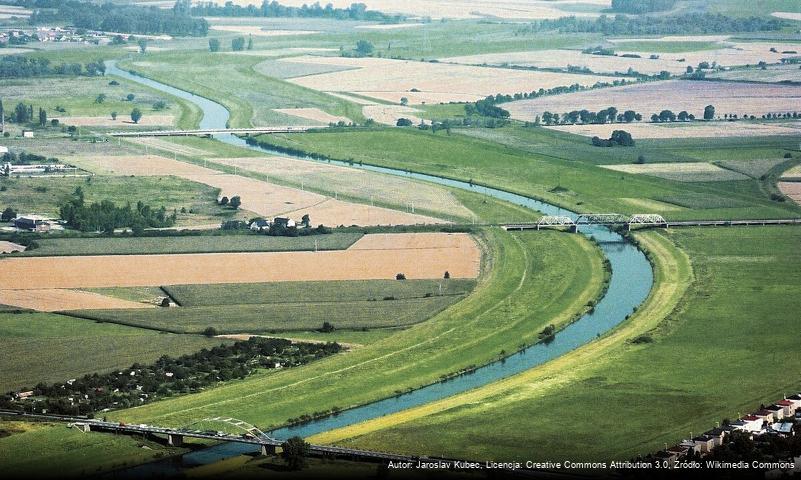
637, 220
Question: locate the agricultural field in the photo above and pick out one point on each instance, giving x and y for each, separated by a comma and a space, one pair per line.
557, 169
54, 300
682, 172
792, 190
726, 279
187, 244
70, 347
676, 95
667, 131
771, 74
422, 82
380, 256
504, 312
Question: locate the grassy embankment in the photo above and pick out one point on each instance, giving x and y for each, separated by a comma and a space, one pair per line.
507, 310
267, 308
715, 341
43, 347
558, 169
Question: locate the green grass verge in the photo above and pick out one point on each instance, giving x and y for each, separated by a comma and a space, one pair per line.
704, 361
188, 244
43, 347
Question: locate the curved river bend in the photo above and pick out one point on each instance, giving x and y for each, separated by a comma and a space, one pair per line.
630, 284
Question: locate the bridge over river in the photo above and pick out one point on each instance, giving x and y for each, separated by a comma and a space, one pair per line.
208, 132
637, 220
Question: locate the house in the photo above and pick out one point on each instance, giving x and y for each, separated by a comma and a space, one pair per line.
33, 223
749, 423
764, 415
27, 134
668, 456
704, 443
259, 225
784, 429
787, 407
717, 434
3, 149
777, 410
284, 222
795, 400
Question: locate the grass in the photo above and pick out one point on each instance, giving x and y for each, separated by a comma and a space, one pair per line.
558, 169
75, 454
714, 329
42, 347
188, 244
45, 196
659, 46
532, 281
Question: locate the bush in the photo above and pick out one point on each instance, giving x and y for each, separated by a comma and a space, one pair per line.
327, 327
403, 122
400, 276
210, 332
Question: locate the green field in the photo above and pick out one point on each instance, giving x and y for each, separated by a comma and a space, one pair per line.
707, 361
188, 244
554, 168
507, 310
42, 347
44, 196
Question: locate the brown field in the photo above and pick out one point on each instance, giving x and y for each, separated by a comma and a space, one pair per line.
55, 300
353, 182
512, 9
259, 31
281, 52
169, 146
8, 247
686, 130
313, 114
260, 197
417, 255
121, 121
730, 54
682, 171
792, 190
389, 114
773, 74
390, 80
676, 95
389, 26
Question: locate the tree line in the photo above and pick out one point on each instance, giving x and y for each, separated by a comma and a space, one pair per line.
113, 17
642, 6
17, 66
168, 376
25, 158
684, 24
106, 216
356, 11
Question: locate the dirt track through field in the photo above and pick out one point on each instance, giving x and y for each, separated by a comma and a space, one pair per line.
416, 255
792, 190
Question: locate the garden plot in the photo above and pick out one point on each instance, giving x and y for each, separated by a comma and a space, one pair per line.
752, 168
353, 182
260, 197
682, 172
676, 95
414, 255
458, 9
685, 130
55, 300
313, 114
424, 82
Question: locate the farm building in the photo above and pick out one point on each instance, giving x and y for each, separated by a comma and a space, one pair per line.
259, 224
11, 169
27, 134
34, 223
284, 222
3, 149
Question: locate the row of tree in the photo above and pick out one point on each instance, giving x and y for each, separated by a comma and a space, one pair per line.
115, 17
17, 66
25, 158
607, 115
356, 11
684, 24
169, 376
642, 6
106, 216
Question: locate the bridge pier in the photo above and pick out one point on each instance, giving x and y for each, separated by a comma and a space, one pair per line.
268, 450
175, 440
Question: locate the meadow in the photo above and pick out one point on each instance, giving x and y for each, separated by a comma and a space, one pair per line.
556, 168
502, 314
68, 347
741, 298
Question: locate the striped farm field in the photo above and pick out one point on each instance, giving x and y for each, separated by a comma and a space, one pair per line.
681, 171
417, 255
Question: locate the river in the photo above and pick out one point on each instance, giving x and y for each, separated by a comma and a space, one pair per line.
629, 286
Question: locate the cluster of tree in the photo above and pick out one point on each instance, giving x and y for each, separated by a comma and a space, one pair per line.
619, 137
642, 6
170, 376
356, 11
449, 123
363, 48
23, 114
106, 216
487, 108
17, 66
25, 158
599, 50
115, 17
607, 115
8, 214
685, 24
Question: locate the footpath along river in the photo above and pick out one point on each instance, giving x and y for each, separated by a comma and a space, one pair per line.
629, 286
